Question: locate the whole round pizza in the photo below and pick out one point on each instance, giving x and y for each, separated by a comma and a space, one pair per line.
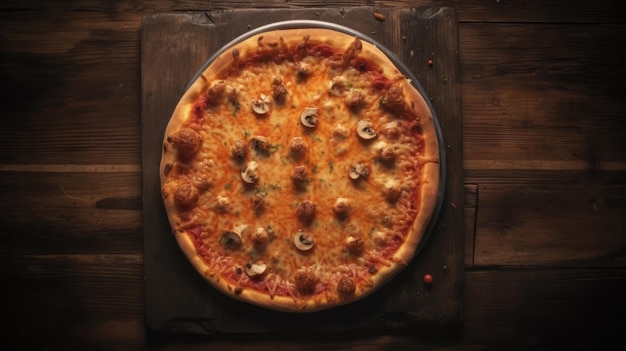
300, 169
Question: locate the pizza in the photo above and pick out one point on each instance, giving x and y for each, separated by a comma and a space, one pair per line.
300, 170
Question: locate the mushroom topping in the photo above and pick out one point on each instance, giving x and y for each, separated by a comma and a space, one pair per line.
342, 206
337, 86
309, 117
249, 173
262, 105
260, 143
355, 245
307, 211
346, 286
364, 130
255, 269
358, 170
303, 241
239, 150
230, 240
260, 236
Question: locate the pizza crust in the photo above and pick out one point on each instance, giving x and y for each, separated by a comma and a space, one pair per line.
430, 172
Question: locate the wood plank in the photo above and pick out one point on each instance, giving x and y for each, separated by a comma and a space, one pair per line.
546, 309
519, 82
591, 177
78, 303
60, 212
471, 202
535, 225
558, 11
72, 300
543, 97
80, 63
193, 300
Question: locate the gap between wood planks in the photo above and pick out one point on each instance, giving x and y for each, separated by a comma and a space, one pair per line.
71, 168
542, 165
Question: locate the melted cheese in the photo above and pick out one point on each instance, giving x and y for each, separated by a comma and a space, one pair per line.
333, 147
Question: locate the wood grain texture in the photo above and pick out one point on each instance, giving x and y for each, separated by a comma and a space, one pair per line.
63, 213
534, 225
542, 115
553, 74
543, 98
471, 204
84, 307
562, 11
407, 33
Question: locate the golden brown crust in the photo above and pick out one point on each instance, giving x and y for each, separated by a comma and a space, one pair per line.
302, 299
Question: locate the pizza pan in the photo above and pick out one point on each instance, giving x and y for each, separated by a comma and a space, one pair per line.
300, 24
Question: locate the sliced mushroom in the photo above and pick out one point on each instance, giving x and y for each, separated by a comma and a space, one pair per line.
255, 269
364, 130
355, 245
262, 105
249, 173
230, 240
303, 241
338, 86
358, 170
309, 117
260, 143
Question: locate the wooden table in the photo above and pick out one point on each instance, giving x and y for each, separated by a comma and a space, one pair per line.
544, 171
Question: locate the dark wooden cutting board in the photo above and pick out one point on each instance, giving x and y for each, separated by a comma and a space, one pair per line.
178, 300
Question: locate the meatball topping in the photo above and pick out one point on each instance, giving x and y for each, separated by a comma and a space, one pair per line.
346, 286
355, 99
307, 211
186, 195
278, 89
305, 281
298, 175
187, 141
297, 145
239, 150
